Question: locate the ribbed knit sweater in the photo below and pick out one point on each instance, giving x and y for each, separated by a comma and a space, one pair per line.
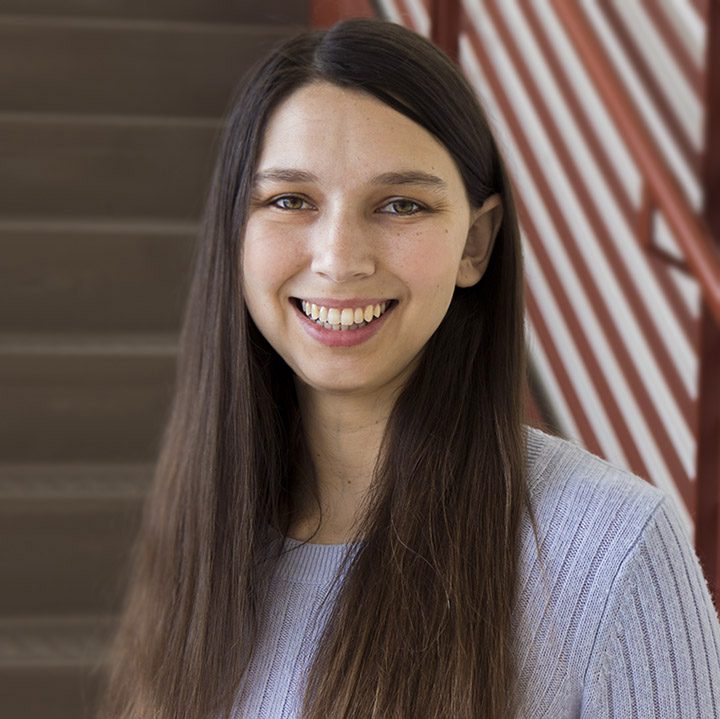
620, 625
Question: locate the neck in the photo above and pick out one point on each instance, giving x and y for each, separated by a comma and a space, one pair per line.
343, 435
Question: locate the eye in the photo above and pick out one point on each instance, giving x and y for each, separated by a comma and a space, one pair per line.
402, 206
290, 202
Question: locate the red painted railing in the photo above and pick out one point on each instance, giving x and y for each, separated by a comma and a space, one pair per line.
662, 191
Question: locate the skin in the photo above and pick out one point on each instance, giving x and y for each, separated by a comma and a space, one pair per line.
354, 202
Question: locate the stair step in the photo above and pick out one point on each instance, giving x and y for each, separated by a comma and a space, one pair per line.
75, 481
292, 12
87, 398
80, 277
50, 667
66, 533
60, 167
157, 68
53, 641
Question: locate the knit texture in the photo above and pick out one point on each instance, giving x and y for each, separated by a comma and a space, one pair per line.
615, 621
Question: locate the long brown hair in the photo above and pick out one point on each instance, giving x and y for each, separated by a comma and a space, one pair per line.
421, 627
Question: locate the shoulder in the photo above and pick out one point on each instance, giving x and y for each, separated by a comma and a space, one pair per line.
556, 465
585, 516
590, 519
603, 554
576, 495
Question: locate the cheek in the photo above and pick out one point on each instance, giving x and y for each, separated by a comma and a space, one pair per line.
267, 263
431, 267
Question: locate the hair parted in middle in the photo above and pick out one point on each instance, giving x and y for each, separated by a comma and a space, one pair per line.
421, 625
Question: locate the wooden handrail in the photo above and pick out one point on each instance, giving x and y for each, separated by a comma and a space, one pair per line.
690, 230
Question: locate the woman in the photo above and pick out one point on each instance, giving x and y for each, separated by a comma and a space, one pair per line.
348, 519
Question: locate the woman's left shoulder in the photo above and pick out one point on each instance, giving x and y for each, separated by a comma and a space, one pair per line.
607, 563
595, 521
574, 491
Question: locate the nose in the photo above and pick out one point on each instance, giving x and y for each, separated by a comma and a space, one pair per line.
343, 248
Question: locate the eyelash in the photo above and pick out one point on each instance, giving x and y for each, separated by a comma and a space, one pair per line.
416, 206
275, 202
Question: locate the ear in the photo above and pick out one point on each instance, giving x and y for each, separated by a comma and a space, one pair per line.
481, 238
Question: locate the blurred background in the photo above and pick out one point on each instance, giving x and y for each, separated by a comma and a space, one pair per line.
607, 111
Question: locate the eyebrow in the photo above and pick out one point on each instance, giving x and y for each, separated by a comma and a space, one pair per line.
284, 175
411, 177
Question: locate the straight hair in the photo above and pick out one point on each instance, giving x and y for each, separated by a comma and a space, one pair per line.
421, 626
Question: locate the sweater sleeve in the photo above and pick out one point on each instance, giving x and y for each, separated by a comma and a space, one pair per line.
657, 651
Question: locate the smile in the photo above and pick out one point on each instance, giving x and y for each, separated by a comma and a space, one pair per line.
343, 318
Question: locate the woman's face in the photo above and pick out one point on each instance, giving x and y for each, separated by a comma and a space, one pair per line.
355, 239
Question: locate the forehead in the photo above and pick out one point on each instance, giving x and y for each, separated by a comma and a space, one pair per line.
329, 131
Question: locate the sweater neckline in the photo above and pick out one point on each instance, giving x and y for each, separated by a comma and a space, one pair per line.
311, 563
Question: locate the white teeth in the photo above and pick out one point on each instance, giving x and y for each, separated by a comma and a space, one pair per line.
347, 317
343, 318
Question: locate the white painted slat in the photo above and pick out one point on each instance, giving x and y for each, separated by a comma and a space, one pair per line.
389, 9
561, 412
690, 27
605, 130
660, 61
670, 414
655, 302
562, 337
574, 365
663, 238
663, 137
689, 289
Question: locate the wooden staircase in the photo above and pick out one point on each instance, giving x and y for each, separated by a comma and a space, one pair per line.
109, 114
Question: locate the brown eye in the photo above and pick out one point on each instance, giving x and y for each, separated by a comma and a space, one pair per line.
402, 207
290, 202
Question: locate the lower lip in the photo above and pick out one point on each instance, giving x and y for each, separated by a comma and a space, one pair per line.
341, 338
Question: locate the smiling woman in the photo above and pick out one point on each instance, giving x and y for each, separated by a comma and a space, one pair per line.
349, 519
343, 217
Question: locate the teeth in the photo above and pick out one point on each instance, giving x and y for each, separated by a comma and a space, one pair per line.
347, 317
343, 318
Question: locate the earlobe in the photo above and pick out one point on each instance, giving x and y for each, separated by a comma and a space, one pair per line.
481, 238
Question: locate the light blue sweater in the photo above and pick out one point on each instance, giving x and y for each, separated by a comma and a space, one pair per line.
620, 625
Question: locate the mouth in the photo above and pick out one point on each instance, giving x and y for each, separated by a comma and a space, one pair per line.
343, 318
